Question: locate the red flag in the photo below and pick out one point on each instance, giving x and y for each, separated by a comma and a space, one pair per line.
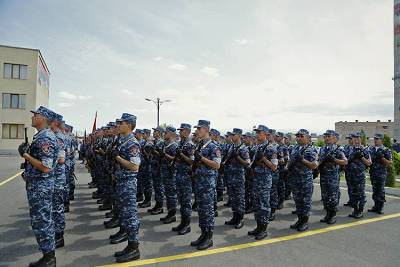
94, 123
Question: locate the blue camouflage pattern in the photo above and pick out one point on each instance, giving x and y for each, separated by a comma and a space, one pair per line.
378, 173
355, 172
168, 177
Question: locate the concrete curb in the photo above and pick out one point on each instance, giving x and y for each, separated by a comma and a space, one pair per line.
388, 190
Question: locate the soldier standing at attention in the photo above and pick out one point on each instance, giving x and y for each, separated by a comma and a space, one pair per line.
347, 150
239, 158
381, 157
59, 183
283, 157
183, 165
303, 160
127, 156
145, 168
264, 164
158, 145
359, 160
208, 158
331, 156
41, 158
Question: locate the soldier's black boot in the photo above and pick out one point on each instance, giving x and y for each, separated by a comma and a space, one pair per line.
48, 260
146, 203
113, 223
120, 231
110, 214
186, 226
256, 231
59, 240
326, 218
348, 204
207, 241
121, 237
66, 207
158, 209
131, 253
239, 221
272, 216
194, 206
107, 205
233, 220
379, 209
297, 223
303, 225
139, 197
198, 240
170, 218
373, 209
180, 225
263, 232
228, 203
358, 212
332, 217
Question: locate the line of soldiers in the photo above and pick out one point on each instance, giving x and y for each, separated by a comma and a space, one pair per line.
49, 176
259, 172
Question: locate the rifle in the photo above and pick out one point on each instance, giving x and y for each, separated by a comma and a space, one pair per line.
317, 171
23, 165
258, 156
293, 163
177, 155
195, 162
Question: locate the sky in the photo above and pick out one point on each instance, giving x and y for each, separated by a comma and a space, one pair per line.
286, 64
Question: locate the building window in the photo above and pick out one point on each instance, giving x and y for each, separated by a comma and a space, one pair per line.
13, 131
14, 101
15, 71
385, 127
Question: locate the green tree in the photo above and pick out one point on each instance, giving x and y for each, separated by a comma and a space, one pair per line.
363, 138
320, 143
391, 179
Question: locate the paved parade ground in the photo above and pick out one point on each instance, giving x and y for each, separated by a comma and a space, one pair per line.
371, 241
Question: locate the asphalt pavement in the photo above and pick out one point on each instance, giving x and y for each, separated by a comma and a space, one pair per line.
375, 242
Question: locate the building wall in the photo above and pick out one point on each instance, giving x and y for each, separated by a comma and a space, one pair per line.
370, 129
396, 77
35, 96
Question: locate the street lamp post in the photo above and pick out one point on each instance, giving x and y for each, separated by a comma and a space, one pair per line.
158, 102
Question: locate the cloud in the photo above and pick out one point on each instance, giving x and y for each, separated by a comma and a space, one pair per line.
67, 95
242, 41
65, 104
210, 71
177, 67
157, 58
127, 92
70, 96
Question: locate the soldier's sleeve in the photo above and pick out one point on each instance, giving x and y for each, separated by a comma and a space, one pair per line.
366, 153
244, 154
388, 154
216, 154
311, 154
340, 154
61, 148
47, 146
190, 150
134, 153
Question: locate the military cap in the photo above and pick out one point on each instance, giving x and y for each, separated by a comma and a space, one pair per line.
146, 131
349, 136
237, 131
228, 133
159, 129
215, 132
261, 128
170, 129
303, 132
280, 134
378, 136
202, 123
271, 131
138, 131
248, 134
129, 118
45, 112
185, 126
332, 133
355, 135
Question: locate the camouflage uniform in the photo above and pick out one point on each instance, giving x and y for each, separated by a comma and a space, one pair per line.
59, 186
378, 173
167, 176
40, 188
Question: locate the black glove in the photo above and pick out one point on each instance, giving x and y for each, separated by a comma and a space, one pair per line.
178, 152
162, 153
358, 155
237, 153
23, 148
197, 155
114, 153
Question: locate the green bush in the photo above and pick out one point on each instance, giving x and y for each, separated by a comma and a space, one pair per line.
363, 138
396, 162
391, 170
320, 143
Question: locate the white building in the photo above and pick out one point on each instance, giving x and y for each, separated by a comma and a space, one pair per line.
24, 86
